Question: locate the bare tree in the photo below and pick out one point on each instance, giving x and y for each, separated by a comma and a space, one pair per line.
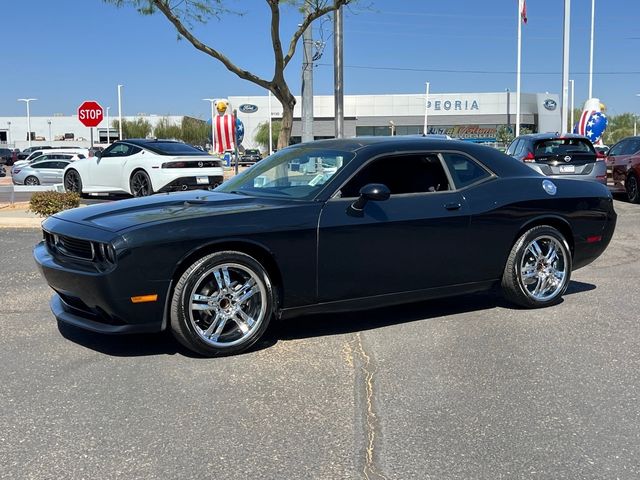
184, 13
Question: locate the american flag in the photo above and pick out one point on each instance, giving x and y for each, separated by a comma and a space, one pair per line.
225, 133
523, 10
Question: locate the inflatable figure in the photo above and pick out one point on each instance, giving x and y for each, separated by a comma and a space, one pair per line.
226, 128
592, 122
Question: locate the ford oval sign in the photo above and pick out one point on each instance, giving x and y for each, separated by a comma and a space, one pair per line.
248, 108
550, 104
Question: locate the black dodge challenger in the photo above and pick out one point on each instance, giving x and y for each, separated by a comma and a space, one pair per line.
326, 226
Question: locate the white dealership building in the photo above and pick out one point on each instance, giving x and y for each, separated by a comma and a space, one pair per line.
471, 116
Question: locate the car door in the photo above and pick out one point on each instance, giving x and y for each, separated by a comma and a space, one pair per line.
57, 170
44, 171
416, 239
617, 164
107, 170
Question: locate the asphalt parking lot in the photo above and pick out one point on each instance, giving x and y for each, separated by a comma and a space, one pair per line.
461, 388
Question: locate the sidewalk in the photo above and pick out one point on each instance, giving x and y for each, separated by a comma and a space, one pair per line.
18, 216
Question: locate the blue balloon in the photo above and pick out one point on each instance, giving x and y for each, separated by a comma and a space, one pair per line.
239, 130
596, 125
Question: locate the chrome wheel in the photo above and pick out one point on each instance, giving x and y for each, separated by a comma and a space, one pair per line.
72, 182
543, 268
227, 304
140, 184
31, 181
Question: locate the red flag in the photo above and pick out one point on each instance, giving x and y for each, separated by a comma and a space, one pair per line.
523, 10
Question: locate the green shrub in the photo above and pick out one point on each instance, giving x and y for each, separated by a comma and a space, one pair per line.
48, 203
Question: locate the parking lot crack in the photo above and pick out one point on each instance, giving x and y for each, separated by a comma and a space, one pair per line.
367, 367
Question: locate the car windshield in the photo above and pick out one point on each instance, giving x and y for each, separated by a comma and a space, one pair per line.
251, 152
562, 146
297, 172
173, 148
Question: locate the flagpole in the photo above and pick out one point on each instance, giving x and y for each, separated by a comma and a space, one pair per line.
519, 17
593, 16
565, 65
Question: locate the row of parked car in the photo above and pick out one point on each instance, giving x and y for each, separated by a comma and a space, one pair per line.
574, 156
141, 167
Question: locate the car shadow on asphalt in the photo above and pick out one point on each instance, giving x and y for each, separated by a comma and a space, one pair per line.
309, 326
335, 324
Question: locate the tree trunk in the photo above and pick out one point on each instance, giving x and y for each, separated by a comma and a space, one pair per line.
288, 102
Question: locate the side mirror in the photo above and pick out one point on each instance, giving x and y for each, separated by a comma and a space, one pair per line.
376, 192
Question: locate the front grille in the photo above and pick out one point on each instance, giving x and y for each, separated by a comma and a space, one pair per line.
71, 247
75, 247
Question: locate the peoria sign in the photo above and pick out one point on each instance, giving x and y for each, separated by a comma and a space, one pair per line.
459, 105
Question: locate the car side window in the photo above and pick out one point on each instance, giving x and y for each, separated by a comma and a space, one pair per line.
512, 148
632, 147
415, 173
117, 150
60, 165
41, 165
618, 148
520, 147
463, 170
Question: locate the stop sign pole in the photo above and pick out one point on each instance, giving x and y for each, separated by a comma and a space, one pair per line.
90, 114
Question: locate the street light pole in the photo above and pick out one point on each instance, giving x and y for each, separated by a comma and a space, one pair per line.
270, 127
593, 16
49, 123
9, 133
426, 109
120, 112
571, 82
108, 128
213, 120
27, 101
338, 74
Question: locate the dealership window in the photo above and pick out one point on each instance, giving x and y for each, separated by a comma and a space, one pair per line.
401, 174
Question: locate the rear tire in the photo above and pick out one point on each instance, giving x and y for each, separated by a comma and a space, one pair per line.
222, 304
73, 182
31, 180
140, 184
633, 188
538, 269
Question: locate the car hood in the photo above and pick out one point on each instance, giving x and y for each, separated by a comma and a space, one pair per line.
124, 214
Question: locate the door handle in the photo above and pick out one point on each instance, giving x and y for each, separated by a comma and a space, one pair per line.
453, 206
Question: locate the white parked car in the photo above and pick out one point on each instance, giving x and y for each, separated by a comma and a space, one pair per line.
36, 155
140, 167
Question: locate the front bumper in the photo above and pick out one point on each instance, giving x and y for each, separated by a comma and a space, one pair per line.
100, 301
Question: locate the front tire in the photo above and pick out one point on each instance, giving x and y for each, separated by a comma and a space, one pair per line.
538, 269
222, 304
633, 188
140, 184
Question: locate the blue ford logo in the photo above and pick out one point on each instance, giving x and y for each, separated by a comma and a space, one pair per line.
248, 108
550, 104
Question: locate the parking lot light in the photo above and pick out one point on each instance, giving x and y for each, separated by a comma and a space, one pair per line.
27, 101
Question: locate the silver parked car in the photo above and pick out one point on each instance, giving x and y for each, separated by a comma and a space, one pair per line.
40, 173
563, 156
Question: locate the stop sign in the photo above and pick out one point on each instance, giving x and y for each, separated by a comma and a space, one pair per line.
90, 113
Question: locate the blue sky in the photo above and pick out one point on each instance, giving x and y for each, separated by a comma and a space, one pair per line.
65, 52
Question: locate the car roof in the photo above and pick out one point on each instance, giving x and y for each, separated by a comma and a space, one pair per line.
495, 160
552, 135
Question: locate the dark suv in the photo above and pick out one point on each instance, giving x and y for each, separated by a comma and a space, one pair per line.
250, 156
6, 156
555, 155
623, 168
